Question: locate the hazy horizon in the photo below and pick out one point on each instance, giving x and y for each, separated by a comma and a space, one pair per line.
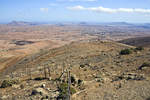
131, 11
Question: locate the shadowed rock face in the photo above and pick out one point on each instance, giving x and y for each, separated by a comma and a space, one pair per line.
140, 41
22, 42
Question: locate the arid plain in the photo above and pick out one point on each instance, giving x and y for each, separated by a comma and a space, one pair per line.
90, 52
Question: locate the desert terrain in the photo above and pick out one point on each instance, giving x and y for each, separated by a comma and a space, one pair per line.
36, 61
16, 42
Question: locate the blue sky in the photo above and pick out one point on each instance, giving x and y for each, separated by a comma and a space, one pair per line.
135, 11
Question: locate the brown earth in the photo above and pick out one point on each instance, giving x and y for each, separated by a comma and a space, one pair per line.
106, 74
18, 42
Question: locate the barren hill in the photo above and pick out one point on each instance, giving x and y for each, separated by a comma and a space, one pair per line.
98, 72
139, 41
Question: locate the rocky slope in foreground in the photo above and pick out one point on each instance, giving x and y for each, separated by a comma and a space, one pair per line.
98, 72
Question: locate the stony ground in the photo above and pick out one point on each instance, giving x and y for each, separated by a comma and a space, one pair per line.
103, 73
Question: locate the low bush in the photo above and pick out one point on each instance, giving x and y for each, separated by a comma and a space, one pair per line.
63, 90
7, 83
139, 48
125, 52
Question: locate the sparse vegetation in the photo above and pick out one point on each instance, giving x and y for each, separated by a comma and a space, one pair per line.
125, 52
129, 51
139, 48
7, 83
63, 89
89, 76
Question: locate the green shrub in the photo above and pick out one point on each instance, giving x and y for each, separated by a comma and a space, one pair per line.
7, 83
63, 90
139, 48
125, 52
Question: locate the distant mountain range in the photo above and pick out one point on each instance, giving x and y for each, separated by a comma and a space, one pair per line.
23, 23
146, 26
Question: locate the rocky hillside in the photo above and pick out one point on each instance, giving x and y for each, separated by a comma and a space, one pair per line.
98, 70
139, 41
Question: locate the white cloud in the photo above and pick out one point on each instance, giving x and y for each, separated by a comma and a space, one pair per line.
44, 9
110, 10
77, 8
